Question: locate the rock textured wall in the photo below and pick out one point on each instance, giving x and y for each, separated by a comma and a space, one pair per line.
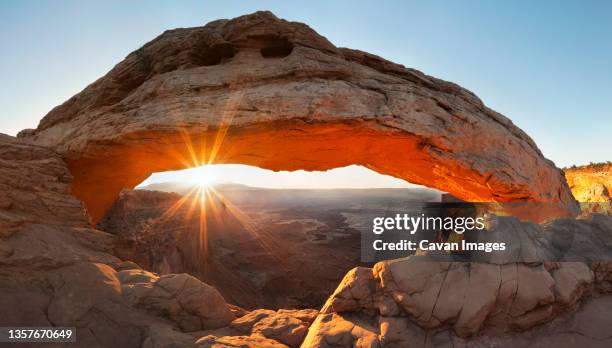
592, 183
47, 201
262, 91
418, 303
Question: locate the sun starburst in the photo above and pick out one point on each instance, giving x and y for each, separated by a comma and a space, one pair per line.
203, 200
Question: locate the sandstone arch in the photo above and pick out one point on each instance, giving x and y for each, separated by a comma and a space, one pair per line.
282, 97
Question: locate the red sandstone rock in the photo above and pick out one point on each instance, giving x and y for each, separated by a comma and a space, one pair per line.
35, 188
180, 297
238, 341
263, 91
591, 183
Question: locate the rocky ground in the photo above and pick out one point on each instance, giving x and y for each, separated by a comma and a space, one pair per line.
236, 253
410, 302
57, 271
247, 230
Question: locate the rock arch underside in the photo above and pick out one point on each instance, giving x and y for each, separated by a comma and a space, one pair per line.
262, 91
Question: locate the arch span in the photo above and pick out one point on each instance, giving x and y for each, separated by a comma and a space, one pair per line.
262, 91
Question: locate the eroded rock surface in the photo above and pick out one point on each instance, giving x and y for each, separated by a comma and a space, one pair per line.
412, 302
591, 183
55, 272
35, 188
262, 328
42, 226
184, 299
263, 91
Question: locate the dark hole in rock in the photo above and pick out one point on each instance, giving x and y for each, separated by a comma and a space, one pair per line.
277, 48
216, 54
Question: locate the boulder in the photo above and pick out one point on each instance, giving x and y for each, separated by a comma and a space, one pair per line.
238, 341
184, 299
262, 327
342, 330
88, 296
572, 280
468, 297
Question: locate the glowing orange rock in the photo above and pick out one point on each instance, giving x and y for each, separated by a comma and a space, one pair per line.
591, 183
262, 91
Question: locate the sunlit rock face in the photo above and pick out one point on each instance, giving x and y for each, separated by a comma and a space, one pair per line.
592, 186
263, 91
591, 183
411, 302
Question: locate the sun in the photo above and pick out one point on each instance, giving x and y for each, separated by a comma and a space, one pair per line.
203, 177
203, 180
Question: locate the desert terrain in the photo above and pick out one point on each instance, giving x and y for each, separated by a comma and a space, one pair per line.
249, 229
147, 268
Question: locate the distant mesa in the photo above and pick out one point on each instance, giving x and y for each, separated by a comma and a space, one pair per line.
448, 198
183, 188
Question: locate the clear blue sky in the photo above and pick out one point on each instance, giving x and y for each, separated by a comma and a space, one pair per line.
544, 64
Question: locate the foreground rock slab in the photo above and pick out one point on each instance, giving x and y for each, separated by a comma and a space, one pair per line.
416, 303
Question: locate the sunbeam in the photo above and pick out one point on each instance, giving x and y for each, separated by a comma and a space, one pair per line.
202, 198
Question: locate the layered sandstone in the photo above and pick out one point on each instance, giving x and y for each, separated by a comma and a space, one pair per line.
518, 297
48, 200
591, 183
263, 91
